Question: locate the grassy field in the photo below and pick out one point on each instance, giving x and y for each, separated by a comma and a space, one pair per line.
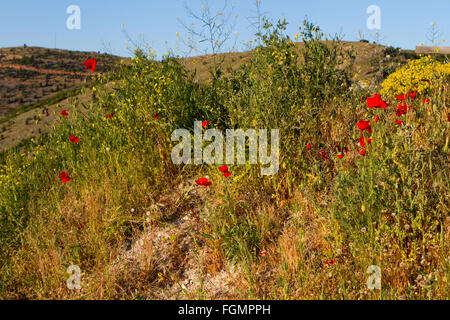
348, 195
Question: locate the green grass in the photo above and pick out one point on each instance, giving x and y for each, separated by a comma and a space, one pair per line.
388, 208
58, 97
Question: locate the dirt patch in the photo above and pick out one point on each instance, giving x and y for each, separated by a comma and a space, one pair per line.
171, 256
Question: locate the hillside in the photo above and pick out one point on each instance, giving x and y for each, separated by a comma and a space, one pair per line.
349, 202
34, 81
31, 75
373, 62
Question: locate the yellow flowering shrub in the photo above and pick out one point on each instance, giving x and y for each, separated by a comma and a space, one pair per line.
421, 75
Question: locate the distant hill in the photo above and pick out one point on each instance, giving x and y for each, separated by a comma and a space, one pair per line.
32, 74
373, 61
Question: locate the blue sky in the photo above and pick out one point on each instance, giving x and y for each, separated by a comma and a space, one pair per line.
404, 23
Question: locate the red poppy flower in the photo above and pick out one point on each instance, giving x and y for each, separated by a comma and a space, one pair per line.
427, 101
91, 64
340, 156
308, 146
402, 109
362, 152
203, 182
362, 143
412, 94
109, 116
364, 125
399, 122
377, 118
263, 253
73, 139
80, 225
64, 113
331, 261
156, 116
376, 102
64, 177
323, 154
223, 169
401, 97
205, 124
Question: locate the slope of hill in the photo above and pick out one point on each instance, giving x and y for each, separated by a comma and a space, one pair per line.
358, 185
31, 74
373, 61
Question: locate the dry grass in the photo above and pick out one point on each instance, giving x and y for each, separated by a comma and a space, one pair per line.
140, 228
